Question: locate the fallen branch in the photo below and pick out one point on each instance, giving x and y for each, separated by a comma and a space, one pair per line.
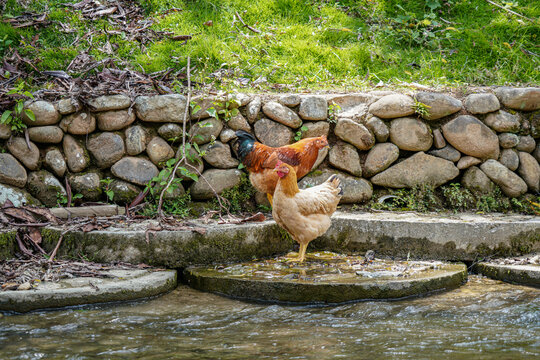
510, 11
246, 25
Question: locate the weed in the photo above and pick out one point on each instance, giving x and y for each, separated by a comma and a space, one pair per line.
14, 118
179, 206
494, 202
298, 134
421, 109
62, 199
458, 198
108, 191
240, 196
333, 111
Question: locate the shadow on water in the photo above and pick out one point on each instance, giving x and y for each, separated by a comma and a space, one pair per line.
483, 319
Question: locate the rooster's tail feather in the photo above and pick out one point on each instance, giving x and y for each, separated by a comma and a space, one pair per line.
335, 182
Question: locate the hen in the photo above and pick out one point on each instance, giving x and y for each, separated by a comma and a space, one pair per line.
260, 161
305, 214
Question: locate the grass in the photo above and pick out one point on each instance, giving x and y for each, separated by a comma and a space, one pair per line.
309, 44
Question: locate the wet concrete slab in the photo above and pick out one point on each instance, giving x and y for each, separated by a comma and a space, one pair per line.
119, 285
527, 274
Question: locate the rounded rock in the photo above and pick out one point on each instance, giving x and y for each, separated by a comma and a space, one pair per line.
313, 108
529, 170
525, 99
355, 190
115, 119
345, 157
18, 147
159, 151
440, 105
316, 129
107, 148
253, 109
227, 135
290, 100
481, 103
69, 106
438, 139
502, 121
378, 128
55, 161
379, 158
471, 137
44, 112
110, 102
17, 196
477, 182
354, 133
410, 134
76, 156
239, 122
81, 123
467, 161
161, 108
135, 170
219, 156
510, 183
508, 140
46, 134
135, 140
88, 185
11, 171
393, 106
273, 134
220, 180
170, 131
282, 114
5, 132
447, 153
124, 192
206, 130
510, 159
45, 187
526, 143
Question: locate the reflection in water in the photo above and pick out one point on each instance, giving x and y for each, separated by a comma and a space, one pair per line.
484, 319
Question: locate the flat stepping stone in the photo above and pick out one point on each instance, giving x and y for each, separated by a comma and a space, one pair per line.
326, 278
517, 274
122, 285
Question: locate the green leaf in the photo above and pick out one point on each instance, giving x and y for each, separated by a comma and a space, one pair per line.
212, 112
30, 114
196, 147
170, 162
304, 128
5, 116
234, 112
19, 107
240, 166
193, 177
29, 94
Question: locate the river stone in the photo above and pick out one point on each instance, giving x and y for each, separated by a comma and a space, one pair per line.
253, 109
159, 151
107, 148
11, 171
357, 113
393, 106
124, 192
529, 170
470, 136
135, 170
88, 185
348, 101
237, 100
438, 139
511, 184
417, 170
502, 121
477, 182
316, 129
45, 187
219, 180
54, 160
81, 123
227, 135
526, 143
115, 119
161, 108
219, 155
536, 153
29, 157
355, 190
44, 111
194, 163
76, 155
345, 157
69, 106
205, 103
510, 159
447, 153
46, 134
525, 99
290, 100
508, 140
379, 158
273, 134
206, 130
354, 133
239, 122
378, 128
170, 131
135, 140
172, 192
5, 132
313, 108
481, 103
440, 105
110, 102
410, 134
17, 196
282, 114
467, 161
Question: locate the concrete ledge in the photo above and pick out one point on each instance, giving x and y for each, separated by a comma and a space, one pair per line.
516, 274
462, 237
126, 285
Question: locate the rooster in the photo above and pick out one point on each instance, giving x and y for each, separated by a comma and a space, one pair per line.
305, 214
260, 161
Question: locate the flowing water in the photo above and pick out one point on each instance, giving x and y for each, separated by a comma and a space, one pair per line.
483, 319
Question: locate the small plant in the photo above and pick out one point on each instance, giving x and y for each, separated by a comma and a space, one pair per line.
179, 206
421, 109
494, 202
239, 196
298, 134
333, 111
62, 199
13, 118
225, 113
5, 43
108, 191
457, 197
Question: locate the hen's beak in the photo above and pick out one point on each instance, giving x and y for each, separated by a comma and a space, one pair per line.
326, 147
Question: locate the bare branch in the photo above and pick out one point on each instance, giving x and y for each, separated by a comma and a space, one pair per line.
246, 25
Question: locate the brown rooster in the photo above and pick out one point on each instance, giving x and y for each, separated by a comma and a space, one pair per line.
258, 159
305, 214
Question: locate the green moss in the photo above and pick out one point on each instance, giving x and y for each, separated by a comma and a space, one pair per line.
7, 245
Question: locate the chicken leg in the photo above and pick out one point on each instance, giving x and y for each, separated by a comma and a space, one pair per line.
302, 252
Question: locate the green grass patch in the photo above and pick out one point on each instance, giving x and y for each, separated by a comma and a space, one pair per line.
308, 44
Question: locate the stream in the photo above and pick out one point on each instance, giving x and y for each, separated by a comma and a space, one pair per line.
484, 319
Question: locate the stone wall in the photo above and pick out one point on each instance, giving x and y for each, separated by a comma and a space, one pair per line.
379, 138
